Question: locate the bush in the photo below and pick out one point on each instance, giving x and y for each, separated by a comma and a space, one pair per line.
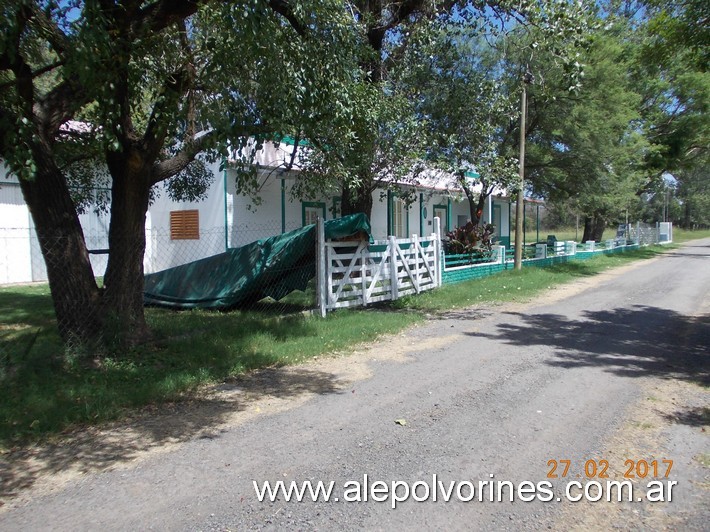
470, 239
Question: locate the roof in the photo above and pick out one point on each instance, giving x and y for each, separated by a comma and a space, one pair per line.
276, 154
273, 154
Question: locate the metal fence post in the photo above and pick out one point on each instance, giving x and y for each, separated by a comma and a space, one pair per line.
321, 267
540, 251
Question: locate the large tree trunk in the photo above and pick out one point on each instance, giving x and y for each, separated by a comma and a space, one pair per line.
75, 294
476, 202
124, 281
355, 201
475, 206
686, 215
594, 227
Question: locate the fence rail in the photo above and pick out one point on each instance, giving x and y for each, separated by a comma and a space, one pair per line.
358, 273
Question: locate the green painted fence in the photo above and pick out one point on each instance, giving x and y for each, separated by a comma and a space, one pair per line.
478, 271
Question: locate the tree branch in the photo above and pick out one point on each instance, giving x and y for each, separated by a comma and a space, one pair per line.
166, 169
161, 14
284, 8
60, 104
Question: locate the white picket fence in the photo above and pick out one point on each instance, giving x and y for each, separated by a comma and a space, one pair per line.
357, 273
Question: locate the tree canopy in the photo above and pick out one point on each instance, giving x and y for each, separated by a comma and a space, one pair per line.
145, 87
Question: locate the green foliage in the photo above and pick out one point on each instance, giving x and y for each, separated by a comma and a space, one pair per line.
670, 71
585, 145
470, 239
229, 69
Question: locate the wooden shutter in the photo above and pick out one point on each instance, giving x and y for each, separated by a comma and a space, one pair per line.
185, 225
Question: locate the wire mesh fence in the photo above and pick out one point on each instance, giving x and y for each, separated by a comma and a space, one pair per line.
247, 270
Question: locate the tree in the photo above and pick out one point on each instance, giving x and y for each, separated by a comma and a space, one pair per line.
149, 86
467, 117
693, 192
584, 142
398, 39
671, 73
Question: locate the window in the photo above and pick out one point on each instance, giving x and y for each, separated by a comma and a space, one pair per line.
311, 211
185, 225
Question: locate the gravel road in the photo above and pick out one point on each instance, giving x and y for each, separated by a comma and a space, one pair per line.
483, 394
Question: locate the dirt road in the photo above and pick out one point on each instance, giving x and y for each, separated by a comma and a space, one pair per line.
610, 369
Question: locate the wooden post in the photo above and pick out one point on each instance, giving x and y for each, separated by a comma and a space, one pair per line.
394, 281
363, 273
321, 267
415, 248
438, 252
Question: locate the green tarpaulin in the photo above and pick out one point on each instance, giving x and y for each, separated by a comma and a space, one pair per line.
272, 267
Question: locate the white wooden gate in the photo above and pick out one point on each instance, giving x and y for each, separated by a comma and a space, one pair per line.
356, 273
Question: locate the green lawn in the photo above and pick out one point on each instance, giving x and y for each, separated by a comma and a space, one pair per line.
44, 390
684, 235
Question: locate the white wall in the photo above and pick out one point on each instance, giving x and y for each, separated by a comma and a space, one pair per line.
161, 251
15, 252
21, 258
252, 219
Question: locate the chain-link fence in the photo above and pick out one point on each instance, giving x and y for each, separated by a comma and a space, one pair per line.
242, 270
644, 234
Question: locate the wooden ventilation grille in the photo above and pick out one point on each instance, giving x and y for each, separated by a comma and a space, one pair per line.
185, 225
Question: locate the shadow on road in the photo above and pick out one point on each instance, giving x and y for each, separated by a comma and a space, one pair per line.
633, 342
694, 417
99, 449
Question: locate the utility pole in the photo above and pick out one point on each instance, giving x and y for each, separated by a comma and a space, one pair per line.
520, 204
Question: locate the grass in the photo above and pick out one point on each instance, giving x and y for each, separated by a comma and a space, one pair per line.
562, 234
44, 390
685, 235
570, 233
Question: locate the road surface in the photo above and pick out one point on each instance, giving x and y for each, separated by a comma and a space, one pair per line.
490, 394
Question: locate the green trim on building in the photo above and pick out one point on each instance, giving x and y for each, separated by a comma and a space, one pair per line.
283, 205
503, 240
421, 214
449, 215
290, 141
444, 223
314, 204
390, 214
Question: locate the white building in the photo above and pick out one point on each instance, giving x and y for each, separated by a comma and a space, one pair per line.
181, 232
